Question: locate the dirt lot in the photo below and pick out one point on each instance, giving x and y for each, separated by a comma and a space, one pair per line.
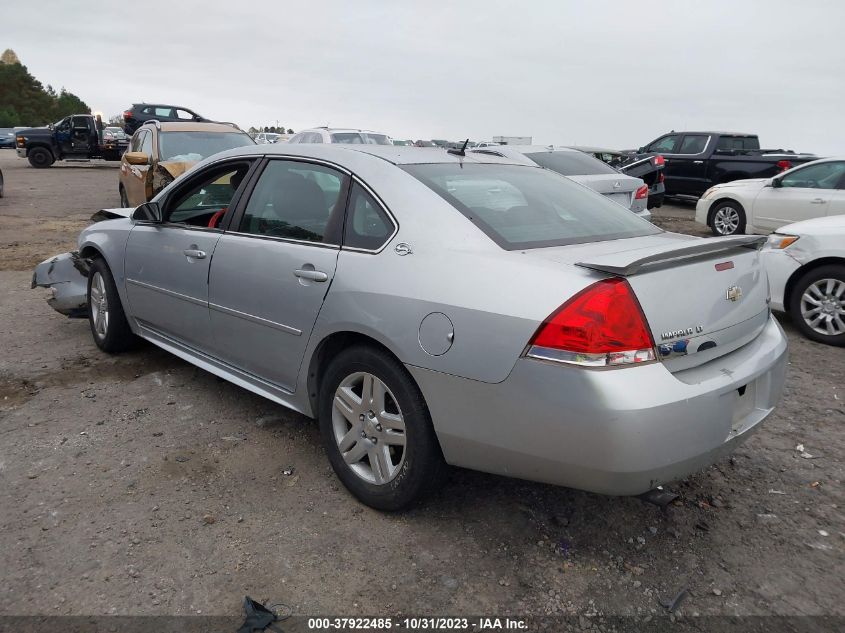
138, 484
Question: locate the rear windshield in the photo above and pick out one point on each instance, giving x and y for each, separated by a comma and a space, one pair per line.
526, 207
360, 138
738, 142
194, 146
571, 163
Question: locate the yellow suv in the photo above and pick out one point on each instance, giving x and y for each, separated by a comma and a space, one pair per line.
161, 152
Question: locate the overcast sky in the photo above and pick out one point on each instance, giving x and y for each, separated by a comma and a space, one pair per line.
613, 74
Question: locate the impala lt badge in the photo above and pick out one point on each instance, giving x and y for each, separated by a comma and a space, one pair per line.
734, 293
665, 336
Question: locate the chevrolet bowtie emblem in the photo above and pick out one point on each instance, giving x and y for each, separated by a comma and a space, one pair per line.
734, 293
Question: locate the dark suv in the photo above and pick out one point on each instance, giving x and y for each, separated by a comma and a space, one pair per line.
140, 113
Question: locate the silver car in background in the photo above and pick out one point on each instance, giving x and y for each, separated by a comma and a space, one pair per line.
628, 191
430, 308
341, 136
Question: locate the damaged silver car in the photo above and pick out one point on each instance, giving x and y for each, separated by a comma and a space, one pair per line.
429, 308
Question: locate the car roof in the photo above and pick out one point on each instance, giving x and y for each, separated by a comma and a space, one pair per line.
711, 132
195, 126
395, 154
587, 148
341, 129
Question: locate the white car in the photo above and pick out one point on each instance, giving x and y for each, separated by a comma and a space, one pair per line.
265, 138
340, 135
762, 205
806, 266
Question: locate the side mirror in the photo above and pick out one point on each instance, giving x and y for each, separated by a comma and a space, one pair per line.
776, 183
137, 158
641, 150
148, 212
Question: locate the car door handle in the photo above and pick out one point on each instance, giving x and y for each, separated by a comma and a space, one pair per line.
194, 253
312, 275
817, 201
698, 162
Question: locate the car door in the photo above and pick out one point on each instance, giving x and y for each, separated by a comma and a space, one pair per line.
167, 263
62, 130
665, 146
805, 192
272, 269
687, 165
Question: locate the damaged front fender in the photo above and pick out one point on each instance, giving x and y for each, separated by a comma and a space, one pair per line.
67, 276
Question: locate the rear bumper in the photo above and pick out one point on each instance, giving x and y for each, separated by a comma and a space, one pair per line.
618, 432
21, 151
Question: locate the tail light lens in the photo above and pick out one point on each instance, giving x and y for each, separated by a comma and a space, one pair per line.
601, 326
783, 165
642, 192
659, 161
127, 115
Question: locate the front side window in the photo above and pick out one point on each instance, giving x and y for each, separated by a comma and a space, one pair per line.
525, 207
693, 144
820, 176
147, 144
665, 145
194, 146
298, 201
367, 225
204, 202
135, 143
184, 115
571, 163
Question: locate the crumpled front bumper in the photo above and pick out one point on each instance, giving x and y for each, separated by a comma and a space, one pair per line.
67, 276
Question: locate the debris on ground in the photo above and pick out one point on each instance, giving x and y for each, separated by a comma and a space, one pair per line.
672, 604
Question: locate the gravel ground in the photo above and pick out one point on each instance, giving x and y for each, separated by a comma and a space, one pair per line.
138, 484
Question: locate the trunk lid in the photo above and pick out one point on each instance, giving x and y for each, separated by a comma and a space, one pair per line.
702, 298
616, 187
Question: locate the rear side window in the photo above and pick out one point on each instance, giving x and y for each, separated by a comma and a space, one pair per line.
367, 225
298, 201
693, 144
525, 207
571, 163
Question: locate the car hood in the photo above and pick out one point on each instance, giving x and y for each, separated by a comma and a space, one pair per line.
177, 167
824, 225
33, 130
748, 182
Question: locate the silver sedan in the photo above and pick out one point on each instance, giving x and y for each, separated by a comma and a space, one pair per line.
431, 308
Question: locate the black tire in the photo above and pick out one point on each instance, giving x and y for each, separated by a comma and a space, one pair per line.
421, 468
835, 272
727, 218
124, 200
1, 184
113, 334
40, 157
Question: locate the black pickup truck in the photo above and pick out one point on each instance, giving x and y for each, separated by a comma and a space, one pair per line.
695, 161
77, 136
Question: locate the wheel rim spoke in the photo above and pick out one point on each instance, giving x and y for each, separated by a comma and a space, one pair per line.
355, 454
350, 438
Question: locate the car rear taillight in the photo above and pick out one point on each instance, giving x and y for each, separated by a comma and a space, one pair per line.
642, 192
783, 165
601, 326
127, 115
659, 161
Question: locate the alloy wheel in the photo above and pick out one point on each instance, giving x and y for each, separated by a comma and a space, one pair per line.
823, 306
369, 428
726, 220
99, 305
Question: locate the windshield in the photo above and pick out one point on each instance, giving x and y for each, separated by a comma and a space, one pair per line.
194, 146
571, 163
525, 207
360, 138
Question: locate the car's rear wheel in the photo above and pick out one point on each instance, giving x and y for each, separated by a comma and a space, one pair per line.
40, 157
728, 218
817, 304
108, 322
377, 430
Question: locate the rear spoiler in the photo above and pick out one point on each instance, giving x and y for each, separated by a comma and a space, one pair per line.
629, 263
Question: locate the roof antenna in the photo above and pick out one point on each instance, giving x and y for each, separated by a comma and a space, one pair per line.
459, 152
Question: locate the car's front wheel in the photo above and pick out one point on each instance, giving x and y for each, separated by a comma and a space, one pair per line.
728, 218
377, 430
817, 304
108, 322
40, 157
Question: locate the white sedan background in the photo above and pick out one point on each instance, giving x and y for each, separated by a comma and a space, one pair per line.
762, 205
